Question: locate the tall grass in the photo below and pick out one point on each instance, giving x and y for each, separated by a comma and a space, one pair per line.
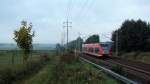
136, 56
11, 57
12, 74
69, 70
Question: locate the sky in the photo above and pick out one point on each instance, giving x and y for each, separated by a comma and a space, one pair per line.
88, 17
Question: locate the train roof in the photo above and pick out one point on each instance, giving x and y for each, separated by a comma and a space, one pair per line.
106, 42
98, 43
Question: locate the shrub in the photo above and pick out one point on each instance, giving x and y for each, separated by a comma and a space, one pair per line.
68, 58
44, 57
11, 74
73, 72
118, 69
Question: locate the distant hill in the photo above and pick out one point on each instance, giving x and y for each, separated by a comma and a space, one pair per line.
7, 46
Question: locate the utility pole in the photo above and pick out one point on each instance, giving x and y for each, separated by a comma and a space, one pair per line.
67, 24
116, 43
79, 42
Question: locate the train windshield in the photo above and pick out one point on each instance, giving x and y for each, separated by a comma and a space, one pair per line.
105, 46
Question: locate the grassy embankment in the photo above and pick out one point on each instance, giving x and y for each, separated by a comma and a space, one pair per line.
67, 69
136, 56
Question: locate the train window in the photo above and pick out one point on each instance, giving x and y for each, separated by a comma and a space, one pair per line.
86, 49
96, 50
91, 50
83, 49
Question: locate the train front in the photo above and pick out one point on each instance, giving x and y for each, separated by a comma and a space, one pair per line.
106, 46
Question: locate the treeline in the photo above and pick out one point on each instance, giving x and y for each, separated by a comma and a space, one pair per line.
93, 39
72, 45
76, 44
133, 35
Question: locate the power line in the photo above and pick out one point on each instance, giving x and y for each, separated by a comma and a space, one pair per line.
106, 36
66, 24
68, 9
84, 11
86, 7
82, 8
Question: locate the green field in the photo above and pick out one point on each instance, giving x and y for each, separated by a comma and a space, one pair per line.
13, 70
10, 57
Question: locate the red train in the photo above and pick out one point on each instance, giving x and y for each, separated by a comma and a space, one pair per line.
97, 49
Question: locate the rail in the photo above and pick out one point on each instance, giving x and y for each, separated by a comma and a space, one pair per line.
130, 67
117, 76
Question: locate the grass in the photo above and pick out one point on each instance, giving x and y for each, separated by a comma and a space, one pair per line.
137, 56
10, 57
118, 69
67, 69
13, 73
63, 69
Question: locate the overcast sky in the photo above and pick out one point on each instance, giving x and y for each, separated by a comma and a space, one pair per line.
87, 16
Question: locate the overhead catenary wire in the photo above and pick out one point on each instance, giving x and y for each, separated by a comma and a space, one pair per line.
68, 9
67, 17
82, 9
81, 15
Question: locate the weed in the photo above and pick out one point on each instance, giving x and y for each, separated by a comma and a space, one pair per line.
118, 69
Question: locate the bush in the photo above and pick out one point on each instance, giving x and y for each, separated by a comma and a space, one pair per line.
68, 58
11, 74
69, 70
118, 69
44, 57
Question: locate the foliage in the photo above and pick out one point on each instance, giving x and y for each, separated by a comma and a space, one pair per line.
60, 70
23, 38
132, 36
68, 58
11, 75
137, 56
65, 71
93, 39
76, 44
59, 48
118, 69
7, 56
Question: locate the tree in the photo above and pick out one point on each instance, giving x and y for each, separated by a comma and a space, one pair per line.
76, 44
23, 38
59, 48
93, 39
133, 36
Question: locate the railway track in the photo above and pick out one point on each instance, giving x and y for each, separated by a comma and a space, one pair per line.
108, 71
136, 71
138, 66
139, 71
